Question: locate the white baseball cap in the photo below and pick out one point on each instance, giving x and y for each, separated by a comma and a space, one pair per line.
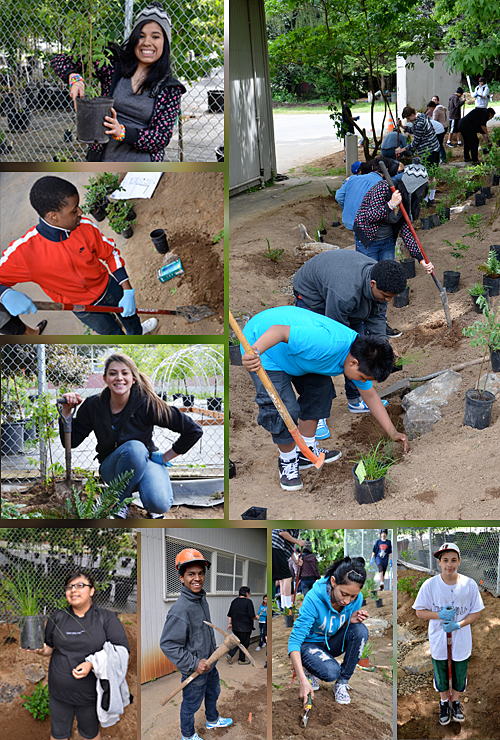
447, 546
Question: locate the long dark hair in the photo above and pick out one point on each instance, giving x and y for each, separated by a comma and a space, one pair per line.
125, 54
348, 570
143, 384
412, 201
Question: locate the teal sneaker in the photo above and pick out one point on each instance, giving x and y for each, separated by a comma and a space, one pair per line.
221, 722
322, 431
360, 406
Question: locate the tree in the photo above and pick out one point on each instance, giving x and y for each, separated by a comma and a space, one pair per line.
327, 545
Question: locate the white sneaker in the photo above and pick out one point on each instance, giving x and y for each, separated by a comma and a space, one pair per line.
341, 693
121, 513
257, 648
313, 680
149, 325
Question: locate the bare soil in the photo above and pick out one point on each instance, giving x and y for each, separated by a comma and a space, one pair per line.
453, 468
367, 717
417, 714
18, 723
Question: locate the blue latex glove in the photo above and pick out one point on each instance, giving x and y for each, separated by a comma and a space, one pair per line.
157, 457
128, 303
390, 563
447, 614
450, 626
17, 303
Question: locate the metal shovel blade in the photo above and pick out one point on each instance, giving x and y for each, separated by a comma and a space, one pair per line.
195, 313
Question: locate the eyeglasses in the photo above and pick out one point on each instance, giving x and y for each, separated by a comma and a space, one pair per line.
78, 586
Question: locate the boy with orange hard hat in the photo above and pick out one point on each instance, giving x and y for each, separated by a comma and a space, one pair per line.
187, 642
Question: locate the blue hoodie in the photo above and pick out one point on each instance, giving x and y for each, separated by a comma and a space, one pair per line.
318, 620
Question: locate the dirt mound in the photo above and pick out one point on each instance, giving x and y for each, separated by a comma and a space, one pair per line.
248, 710
418, 714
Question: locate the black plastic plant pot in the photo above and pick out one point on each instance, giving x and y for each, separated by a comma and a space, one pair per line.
478, 408
496, 179
364, 602
469, 193
369, 491
99, 213
19, 121
232, 469
396, 368
447, 214
159, 239
216, 101
486, 190
451, 280
475, 305
323, 232
175, 396
12, 437
288, 620
254, 513
493, 285
336, 223
495, 360
496, 249
425, 224
32, 631
235, 354
127, 233
214, 403
131, 215
68, 135
90, 119
402, 299
188, 400
379, 603
435, 220
480, 200
409, 266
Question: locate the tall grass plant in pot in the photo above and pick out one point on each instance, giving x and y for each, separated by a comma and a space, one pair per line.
21, 596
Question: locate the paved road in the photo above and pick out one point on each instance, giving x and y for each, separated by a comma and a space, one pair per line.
302, 138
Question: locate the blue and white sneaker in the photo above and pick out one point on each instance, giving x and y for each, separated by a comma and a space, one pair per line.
194, 737
360, 407
221, 722
322, 431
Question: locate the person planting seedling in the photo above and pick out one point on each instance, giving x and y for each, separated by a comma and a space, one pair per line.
451, 602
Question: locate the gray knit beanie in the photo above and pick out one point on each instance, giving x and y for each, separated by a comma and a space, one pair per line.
414, 176
157, 13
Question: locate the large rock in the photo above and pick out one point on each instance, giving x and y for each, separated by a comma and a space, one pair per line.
492, 381
377, 626
404, 635
34, 672
418, 660
8, 692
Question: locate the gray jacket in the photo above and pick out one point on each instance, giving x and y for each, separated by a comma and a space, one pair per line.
185, 640
110, 667
337, 284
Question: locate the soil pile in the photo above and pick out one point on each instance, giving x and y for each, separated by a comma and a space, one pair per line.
417, 713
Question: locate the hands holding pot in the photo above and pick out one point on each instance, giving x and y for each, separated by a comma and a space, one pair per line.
113, 128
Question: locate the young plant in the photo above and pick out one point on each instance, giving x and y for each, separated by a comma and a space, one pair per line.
22, 592
484, 333
94, 196
491, 268
409, 358
458, 251
89, 38
367, 650
441, 211
38, 703
375, 463
43, 418
273, 254
322, 225
476, 227
118, 214
477, 289
218, 237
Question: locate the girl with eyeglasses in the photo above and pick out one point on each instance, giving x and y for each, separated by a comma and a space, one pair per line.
74, 641
330, 624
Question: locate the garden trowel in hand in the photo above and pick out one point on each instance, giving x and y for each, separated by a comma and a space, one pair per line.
308, 707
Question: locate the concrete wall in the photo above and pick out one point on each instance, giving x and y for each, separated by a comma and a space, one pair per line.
250, 108
248, 542
416, 85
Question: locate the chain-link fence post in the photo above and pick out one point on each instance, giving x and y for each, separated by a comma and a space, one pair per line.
129, 11
42, 388
498, 569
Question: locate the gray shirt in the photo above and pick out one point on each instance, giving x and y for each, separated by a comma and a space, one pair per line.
337, 284
132, 110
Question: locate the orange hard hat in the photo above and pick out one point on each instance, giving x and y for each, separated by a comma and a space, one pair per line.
190, 555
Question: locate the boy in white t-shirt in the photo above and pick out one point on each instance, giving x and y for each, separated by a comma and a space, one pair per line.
451, 602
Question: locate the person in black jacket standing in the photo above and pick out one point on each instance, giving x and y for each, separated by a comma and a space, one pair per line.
470, 126
240, 619
122, 418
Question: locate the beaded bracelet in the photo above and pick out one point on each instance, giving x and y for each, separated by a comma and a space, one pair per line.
121, 135
391, 205
76, 78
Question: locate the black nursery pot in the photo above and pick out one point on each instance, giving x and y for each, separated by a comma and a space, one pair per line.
379, 603
478, 409
68, 135
369, 491
323, 232
435, 220
255, 513
409, 266
235, 354
232, 469
175, 396
289, 620
188, 400
486, 190
425, 224
402, 299
336, 223
31, 632
480, 200
496, 179
90, 119
127, 233
469, 193
99, 213
475, 304
495, 360
493, 285
159, 239
214, 403
451, 279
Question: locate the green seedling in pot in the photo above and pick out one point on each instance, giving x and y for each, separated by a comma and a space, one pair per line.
476, 226
367, 650
376, 463
118, 214
491, 267
484, 333
477, 289
458, 251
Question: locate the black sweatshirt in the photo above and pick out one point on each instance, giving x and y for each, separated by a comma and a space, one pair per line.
242, 613
73, 638
135, 422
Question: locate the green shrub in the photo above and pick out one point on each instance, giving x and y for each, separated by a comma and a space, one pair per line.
38, 703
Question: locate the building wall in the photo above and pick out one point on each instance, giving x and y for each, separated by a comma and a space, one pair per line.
245, 166
251, 543
417, 85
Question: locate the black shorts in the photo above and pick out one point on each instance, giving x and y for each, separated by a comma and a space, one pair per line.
381, 567
280, 565
62, 715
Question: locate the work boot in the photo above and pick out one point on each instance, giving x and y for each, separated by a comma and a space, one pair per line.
330, 456
244, 662
149, 325
456, 712
444, 713
289, 475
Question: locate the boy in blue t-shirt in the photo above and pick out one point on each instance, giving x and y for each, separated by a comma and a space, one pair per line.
301, 350
262, 617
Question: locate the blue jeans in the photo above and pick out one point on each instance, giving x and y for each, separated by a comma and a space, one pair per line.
149, 478
263, 633
319, 660
107, 323
206, 686
308, 583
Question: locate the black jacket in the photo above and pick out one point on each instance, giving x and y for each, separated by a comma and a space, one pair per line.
137, 422
474, 121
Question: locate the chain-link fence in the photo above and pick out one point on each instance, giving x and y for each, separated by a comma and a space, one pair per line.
479, 551
36, 561
360, 543
37, 119
34, 376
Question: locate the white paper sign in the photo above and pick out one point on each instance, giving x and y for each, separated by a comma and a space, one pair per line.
138, 185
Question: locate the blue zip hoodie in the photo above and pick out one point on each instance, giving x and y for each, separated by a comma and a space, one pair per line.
318, 620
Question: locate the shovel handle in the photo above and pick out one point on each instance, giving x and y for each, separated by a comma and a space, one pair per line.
280, 406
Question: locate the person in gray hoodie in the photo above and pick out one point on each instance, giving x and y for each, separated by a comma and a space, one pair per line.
353, 289
188, 642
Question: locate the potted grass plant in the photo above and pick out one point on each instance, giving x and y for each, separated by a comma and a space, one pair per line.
370, 471
364, 661
118, 213
486, 334
475, 291
22, 593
